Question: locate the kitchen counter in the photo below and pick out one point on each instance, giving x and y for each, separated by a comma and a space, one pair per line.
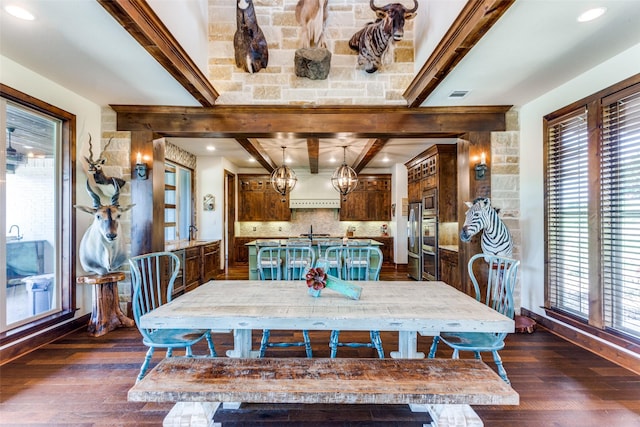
253, 262
184, 244
452, 248
283, 241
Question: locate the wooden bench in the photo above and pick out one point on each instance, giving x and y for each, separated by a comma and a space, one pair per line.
438, 386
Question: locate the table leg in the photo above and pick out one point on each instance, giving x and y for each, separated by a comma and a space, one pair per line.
242, 344
407, 346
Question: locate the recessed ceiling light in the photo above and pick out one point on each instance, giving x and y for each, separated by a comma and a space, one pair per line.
385, 159
592, 14
251, 159
211, 148
19, 12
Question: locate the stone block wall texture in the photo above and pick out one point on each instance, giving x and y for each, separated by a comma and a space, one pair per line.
505, 184
278, 84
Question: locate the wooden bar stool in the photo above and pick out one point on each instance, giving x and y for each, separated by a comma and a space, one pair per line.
106, 314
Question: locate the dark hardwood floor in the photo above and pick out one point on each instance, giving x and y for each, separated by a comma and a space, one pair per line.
83, 381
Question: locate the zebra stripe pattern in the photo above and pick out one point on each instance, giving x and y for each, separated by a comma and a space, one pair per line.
496, 238
371, 42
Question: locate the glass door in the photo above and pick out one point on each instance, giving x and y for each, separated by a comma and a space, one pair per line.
29, 212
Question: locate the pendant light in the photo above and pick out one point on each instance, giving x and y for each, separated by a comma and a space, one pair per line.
344, 179
283, 179
14, 158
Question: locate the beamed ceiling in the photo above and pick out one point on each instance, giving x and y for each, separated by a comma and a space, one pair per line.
373, 127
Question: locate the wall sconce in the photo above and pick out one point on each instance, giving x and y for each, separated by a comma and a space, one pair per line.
141, 168
481, 168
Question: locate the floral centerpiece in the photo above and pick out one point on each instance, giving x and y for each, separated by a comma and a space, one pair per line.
316, 280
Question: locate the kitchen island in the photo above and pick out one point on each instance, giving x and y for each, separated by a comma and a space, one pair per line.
253, 252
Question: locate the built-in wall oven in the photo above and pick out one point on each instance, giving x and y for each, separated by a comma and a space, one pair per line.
430, 262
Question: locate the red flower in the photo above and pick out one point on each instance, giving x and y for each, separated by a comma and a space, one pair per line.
316, 278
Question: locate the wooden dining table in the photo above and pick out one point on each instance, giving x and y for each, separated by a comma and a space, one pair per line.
408, 307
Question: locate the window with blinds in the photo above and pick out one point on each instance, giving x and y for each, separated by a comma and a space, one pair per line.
592, 208
620, 211
567, 214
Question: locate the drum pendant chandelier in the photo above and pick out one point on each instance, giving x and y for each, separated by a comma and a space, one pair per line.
344, 179
283, 179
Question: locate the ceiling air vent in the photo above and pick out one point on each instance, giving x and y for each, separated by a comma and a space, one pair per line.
458, 94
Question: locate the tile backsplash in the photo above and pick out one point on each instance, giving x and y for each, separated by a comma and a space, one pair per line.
323, 221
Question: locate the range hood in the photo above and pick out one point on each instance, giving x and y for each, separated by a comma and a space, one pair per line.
314, 191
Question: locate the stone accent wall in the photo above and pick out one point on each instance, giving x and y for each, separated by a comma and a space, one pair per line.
505, 183
278, 84
118, 164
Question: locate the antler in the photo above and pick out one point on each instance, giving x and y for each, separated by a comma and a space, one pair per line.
116, 194
94, 196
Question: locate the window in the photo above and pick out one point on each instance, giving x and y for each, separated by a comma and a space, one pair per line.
178, 202
35, 283
592, 182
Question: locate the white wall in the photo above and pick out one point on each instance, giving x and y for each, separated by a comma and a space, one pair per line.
606, 74
88, 116
188, 21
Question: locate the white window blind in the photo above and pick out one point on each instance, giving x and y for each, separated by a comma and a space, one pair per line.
620, 211
567, 214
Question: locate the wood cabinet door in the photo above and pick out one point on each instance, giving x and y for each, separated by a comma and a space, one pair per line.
242, 252
210, 261
276, 206
178, 285
449, 269
192, 265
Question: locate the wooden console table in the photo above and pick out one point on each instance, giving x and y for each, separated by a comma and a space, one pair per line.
106, 314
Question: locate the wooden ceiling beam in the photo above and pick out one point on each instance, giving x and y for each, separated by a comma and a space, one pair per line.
306, 122
137, 17
371, 149
256, 151
473, 22
313, 150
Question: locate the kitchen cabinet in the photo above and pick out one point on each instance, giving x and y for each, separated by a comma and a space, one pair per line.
370, 201
199, 263
258, 201
386, 248
435, 168
449, 268
241, 251
192, 263
210, 261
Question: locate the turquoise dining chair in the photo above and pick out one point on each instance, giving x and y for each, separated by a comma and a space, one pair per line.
332, 257
269, 262
360, 263
501, 280
153, 276
298, 258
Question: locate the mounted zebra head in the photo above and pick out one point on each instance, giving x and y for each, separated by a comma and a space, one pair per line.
496, 238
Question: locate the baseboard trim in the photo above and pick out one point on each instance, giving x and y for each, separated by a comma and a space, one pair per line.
38, 340
602, 348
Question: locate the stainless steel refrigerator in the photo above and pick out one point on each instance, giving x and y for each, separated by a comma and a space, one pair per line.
414, 234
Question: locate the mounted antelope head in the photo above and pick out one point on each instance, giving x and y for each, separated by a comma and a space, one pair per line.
95, 167
101, 248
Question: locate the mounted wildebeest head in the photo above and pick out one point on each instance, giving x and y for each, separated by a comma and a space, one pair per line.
102, 248
372, 41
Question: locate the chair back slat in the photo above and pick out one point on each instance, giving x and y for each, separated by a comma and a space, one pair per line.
269, 263
501, 280
359, 262
298, 259
153, 277
331, 260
